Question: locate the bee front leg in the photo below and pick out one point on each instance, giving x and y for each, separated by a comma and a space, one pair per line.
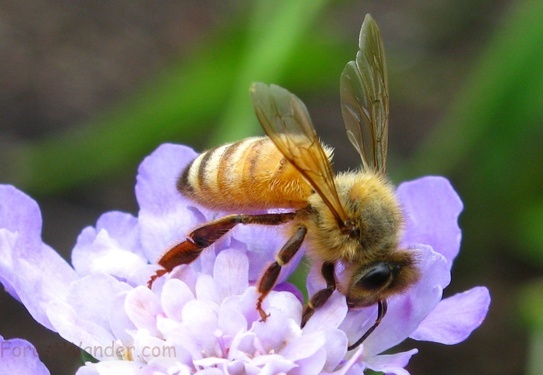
269, 278
322, 295
381, 312
187, 251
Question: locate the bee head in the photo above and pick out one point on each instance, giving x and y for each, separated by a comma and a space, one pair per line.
378, 280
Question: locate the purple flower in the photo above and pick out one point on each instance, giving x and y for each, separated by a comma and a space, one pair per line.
201, 319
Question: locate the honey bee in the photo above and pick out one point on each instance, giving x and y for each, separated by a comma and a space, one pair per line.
353, 217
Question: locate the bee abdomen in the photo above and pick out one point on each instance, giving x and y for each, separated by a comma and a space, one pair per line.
246, 175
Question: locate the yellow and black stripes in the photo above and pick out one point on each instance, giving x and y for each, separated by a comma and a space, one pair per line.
245, 175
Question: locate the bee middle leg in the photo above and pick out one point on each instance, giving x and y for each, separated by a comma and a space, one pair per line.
187, 251
269, 278
322, 295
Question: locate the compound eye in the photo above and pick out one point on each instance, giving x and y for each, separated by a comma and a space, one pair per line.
376, 278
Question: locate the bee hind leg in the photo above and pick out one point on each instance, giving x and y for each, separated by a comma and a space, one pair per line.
320, 298
269, 278
187, 251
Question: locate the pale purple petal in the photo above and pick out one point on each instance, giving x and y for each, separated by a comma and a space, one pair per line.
119, 321
83, 333
157, 177
123, 227
91, 297
206, 289
310, 365
18, 356
111, 367
331, 315
142, 307
454, 318
231, 272
431, 208
164, 216
20, 214
335, 347
273, 364
285, 302
112, 247
393, 364
105, 255
231, 321
354, 365
210, 371
245, 304
304, 347
200, 319
29, 269
277, 329
315, 281
175, 294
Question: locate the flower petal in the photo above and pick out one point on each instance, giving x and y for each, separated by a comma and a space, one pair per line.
18, 356
86, 334
119, 320
111, 367
175, 294
142, 307
354, 366
392, 364
112, 247
231, 271
431, 208
454, 318
91, 297
32, 271
164, 216
275, 331
329, 316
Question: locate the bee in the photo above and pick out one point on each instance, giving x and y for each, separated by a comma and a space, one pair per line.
352, 218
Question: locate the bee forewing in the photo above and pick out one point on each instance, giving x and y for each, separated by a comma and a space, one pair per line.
364, 98
286, 121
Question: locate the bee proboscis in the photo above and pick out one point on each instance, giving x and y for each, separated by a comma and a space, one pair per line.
353, 217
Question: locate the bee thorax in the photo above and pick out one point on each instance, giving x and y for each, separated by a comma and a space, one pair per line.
374, 220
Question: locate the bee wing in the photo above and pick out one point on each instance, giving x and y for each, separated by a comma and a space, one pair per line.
364, 98
286, 121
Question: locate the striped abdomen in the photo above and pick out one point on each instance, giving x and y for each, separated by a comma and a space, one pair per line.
247, 175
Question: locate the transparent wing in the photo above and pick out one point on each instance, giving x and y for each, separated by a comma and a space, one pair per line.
286, 121
364, 98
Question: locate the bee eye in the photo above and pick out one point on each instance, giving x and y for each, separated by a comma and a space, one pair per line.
377, 277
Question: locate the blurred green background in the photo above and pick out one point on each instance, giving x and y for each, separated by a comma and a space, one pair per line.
87, 89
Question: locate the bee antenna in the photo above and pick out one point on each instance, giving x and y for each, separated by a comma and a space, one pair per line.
381, 311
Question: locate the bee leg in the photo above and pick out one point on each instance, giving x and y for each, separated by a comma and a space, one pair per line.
322, 295
187, 251
269, 278
381, 311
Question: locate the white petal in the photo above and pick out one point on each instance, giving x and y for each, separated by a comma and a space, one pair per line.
175, 294
231, 271
86, 334
92, 296
143, 306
